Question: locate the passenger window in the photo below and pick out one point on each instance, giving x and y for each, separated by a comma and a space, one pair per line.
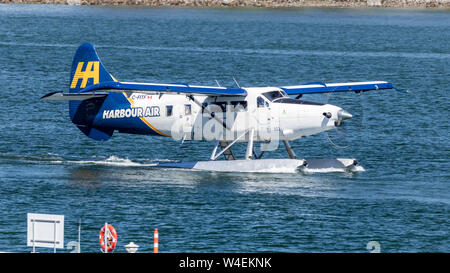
217, 107
169, 111
239, 106
187, 109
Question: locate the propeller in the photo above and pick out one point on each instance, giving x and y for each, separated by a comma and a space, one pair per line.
347, 122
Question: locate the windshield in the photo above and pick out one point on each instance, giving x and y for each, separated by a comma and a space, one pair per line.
273, 95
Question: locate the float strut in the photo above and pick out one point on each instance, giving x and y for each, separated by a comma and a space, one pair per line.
213, 155
248, 153
227, 153
289, 150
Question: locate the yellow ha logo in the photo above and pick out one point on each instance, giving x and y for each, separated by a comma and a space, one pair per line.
91, 72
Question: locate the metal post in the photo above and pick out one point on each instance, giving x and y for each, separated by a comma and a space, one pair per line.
248, 153
79, 237
34, 248
105, 238
54, 236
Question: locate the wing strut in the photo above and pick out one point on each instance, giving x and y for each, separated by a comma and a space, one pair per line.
224, 125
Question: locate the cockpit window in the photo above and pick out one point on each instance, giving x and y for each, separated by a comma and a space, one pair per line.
273, 95
260, 102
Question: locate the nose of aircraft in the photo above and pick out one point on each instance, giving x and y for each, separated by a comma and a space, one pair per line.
343, 115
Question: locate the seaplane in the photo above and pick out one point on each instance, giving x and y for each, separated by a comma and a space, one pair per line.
99, 105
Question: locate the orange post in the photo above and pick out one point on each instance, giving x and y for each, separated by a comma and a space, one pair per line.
155, 241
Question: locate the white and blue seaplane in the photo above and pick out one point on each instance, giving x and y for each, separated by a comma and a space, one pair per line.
99, 105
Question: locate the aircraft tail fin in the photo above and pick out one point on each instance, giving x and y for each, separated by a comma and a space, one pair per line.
87, 70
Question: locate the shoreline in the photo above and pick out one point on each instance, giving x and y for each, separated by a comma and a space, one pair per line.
414, 4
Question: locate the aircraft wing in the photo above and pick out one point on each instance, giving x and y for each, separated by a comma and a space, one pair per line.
213, 91
319, 87
102, 89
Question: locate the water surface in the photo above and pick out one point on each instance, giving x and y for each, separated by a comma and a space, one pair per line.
401, 200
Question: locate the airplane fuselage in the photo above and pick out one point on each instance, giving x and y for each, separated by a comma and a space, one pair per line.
266, 110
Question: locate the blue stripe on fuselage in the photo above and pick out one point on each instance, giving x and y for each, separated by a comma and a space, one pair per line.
116, 113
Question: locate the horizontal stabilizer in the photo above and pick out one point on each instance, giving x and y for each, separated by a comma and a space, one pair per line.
318, 87
73, 96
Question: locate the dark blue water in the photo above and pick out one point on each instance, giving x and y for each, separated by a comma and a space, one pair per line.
402, 200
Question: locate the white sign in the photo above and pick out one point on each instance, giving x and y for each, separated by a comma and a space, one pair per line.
45, 230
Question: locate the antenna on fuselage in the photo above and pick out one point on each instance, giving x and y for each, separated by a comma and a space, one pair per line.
236, 82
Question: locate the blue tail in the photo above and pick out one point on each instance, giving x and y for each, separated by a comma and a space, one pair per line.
87, 70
